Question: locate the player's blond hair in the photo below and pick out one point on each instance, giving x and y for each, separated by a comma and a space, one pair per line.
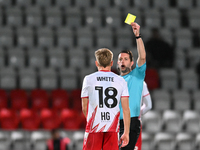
104, 57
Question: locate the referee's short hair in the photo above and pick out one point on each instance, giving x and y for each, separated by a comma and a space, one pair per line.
129, 53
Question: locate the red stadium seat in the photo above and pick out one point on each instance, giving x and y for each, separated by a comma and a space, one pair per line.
60, 99
30, 119
76, 99
83, 121
49, 119
9, 119
39, 99
3, 99
70, 119
152, 78
19, 99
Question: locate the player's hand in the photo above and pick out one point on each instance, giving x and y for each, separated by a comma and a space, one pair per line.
124, 140
136, 28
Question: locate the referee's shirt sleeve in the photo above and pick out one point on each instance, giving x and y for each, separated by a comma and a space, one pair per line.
84, 91
141, 70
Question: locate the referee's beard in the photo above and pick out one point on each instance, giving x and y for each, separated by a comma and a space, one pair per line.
126, 70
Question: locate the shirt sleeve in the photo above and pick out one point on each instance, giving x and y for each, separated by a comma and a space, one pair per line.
145, 90
140, 71
125, 92
84, 91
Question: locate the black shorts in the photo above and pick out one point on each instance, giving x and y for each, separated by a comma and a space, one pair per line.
133, 134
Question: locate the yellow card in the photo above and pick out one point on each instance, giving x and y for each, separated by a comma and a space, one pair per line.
130, 18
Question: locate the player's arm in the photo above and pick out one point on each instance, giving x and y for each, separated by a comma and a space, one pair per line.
140, 45
85, 105
146, 104
126, 119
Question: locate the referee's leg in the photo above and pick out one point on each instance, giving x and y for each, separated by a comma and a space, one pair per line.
133, 134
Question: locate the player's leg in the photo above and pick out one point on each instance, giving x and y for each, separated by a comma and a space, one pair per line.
133, 134
110, 141
138, 145
93, 141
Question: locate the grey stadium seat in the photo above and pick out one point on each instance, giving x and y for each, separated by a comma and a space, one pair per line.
14, 17
48, 79
53, 17
36, 58
65, 37
63, 3
8, 78
43, 3
104, 37
152, 18
25, 37
2, 58
93, 17
16, 58
4, 140
113, 17
73, 17
6, 37
27, 78
24, 3
85, 37
33, 16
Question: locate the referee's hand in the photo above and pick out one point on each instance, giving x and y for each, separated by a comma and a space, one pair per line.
136, 28
124, 140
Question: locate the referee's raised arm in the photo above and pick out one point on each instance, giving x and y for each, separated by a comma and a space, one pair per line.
140, 45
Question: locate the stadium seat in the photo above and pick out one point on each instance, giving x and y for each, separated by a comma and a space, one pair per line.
78, 138
93, 18
197, 140
172, 121
172, 18
63, 3
60, 99
73, 17
161, 99
49, 119
36, 58
184, 141
8, 79
121, 3
113, 18
53, 17
180, 59
183, 38
196, 95
86, 71
161, 4
193, 16
77, 58
14, 17
2, 58
191, 121
27, 79
152, 121
39, 99
83, 4
9, 119
104, 37
181, 100
164, 141
6, 3
85, 37
65, 37
189, 79
70, 119
48, 79
30, 119
25, 37
194, 57
3, 99
34, 16
124, 38
19, 140
16, 58
102, 4
43, 3
6, 37
57, 58
152, 78
68, 78
4, 140
24, 3
167, 35
184, 4
152, 18
169, 78
142, 4
147, 141
18, 99
45, 37
76, 99
39, 138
